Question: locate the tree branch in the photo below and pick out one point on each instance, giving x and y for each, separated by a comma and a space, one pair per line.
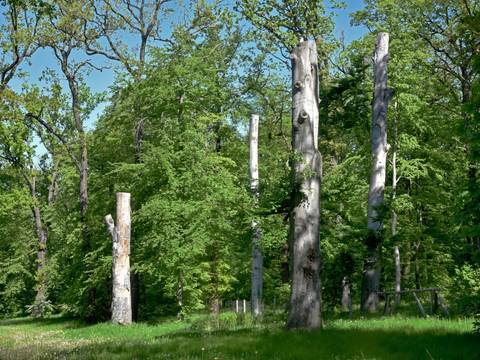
51, 130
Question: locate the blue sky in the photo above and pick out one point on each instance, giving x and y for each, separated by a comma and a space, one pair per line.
342, 21
101, 81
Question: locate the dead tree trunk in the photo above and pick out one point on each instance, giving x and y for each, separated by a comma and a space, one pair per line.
257, 257
121, 297
398, 276
305, 301
377, 178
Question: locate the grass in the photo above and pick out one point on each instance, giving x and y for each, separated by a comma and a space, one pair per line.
380, 338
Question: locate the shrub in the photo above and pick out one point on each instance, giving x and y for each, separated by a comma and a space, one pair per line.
476, 323
40, 308
465, 290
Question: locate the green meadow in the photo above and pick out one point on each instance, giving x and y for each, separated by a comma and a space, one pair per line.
233, 337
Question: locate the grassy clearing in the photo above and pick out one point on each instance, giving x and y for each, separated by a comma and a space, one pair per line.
390, 338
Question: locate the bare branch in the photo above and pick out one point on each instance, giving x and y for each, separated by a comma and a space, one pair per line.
51, 130
138, 19
122, 16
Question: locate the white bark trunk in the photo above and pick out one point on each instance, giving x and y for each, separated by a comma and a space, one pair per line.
377, 177
305, 301
121, 297
379, 134
257, 257
253, 140
398, 276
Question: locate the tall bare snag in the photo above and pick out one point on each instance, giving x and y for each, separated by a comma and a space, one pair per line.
305, 301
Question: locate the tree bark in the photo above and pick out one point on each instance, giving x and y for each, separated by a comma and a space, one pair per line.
83, 176
305, 301
180, 295
121, 297
215, 282
215, 305
346, 296
139, 132
257, 257
417, 266
135, 276
42, 236
394, 169
53, 187
398, 276
377, 178
83, 166
63, 55
398, 270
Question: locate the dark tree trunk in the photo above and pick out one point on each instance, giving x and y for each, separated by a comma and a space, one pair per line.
83, 166
417, 266
53, 187
285, 266
180, 295
42, 236
139, 133
346, 296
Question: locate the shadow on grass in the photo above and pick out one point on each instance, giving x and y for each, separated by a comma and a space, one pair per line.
214, 333
279, 344
53, 320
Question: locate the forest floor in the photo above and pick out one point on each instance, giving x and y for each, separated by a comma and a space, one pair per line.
382, 338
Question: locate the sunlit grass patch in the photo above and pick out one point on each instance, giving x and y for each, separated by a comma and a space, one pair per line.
396, 323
